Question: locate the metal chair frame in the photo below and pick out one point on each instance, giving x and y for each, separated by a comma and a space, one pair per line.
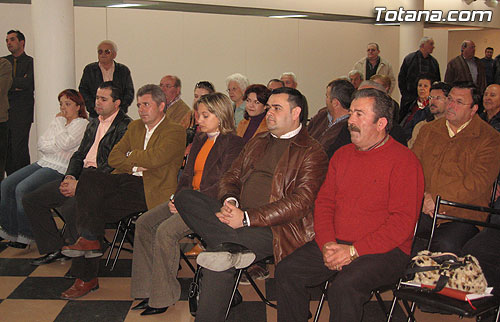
125, 227
413, 295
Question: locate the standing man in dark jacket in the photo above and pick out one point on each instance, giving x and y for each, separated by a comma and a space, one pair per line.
413, 65
104, 70
21, 102
100, 137
5, 83
265, 202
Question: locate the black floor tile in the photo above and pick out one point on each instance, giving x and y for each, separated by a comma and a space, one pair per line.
373, 312
90, 311
248, 312
41, 288
16, 267
123, 268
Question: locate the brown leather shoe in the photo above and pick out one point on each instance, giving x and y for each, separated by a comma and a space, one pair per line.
79, 289
89, 248
195, 251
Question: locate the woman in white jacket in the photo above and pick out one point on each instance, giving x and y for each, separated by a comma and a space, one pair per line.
55, 148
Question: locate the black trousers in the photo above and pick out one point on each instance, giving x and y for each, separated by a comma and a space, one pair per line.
349, 289
37, 206
18, 154
103, 198
198, 212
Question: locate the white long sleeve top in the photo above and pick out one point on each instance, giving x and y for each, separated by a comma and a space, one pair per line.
59, 142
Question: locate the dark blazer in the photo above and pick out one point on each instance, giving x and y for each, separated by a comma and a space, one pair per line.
112, 136
21, 99
92, 78
226, 148
458, 71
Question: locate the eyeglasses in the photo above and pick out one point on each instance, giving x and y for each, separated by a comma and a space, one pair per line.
451, 100
106, 51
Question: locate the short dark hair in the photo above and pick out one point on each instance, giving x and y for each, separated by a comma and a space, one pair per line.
155, 91
19, 35
382, 105
427, 76
206, 85
445, 87
116, 93
342, 90
260, 90
277, 81
490, 48
476, 96
295, 98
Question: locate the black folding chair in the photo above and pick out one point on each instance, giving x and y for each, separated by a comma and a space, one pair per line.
436, 303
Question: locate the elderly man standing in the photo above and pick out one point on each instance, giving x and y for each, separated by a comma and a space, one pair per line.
104, 70
460, 155
21, 102
265, 202
364, 217
415, 64
175, 109
373, 64
5, 83
289, 79
146, 161
466, 67
326, 125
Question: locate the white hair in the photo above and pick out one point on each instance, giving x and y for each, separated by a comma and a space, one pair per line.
240, 79
109, 42
290, 74
356, 72
423, 41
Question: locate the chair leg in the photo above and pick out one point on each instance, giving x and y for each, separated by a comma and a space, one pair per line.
321, 301
257, 290
120, 247
184, 257
112, 244
380, 302
235, 288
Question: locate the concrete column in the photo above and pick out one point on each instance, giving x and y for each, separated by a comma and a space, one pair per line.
410, 32
54, 57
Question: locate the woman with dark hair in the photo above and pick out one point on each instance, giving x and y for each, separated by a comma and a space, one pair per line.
158, 231
254, 122
55, 148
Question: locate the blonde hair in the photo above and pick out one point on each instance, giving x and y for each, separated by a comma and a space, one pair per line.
220, 105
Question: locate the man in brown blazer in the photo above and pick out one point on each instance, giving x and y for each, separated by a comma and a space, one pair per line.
466, 67
146, 161
5, 83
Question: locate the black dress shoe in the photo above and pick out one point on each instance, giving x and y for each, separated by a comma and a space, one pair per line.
49, 258
152, 310
141, 306
17, 245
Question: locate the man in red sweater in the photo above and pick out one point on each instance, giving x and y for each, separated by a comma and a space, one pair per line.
364, 218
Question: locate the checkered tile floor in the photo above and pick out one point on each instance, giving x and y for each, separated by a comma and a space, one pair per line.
30, 293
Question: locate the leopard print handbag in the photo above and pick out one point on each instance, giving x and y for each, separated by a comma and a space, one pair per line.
447, 270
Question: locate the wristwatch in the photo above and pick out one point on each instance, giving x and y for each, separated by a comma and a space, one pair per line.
353, 253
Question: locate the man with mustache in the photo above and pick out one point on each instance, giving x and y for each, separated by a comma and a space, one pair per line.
460, 155
265, 202
364, 217
439, 94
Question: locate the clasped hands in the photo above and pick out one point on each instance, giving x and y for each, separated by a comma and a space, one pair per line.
335, 255
231, 215
68, 186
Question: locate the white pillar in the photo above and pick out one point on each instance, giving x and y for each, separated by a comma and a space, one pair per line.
410, 32
54, 56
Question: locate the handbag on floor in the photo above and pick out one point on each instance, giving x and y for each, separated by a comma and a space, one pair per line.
438, 271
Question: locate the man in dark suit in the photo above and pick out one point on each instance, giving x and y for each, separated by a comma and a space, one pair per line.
21, 102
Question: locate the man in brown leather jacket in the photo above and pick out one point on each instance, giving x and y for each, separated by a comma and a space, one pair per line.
266, 197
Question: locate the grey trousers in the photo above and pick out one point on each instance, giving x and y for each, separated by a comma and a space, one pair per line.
156, 256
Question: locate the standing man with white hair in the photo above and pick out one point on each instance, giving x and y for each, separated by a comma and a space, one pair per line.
236, 86
104, 70
414, 64
290, 79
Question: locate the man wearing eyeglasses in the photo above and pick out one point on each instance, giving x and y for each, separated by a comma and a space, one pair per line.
460, 155
176, 109
104, 70
373, 64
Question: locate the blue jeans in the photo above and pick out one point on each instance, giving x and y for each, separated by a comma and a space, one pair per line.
12, 218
